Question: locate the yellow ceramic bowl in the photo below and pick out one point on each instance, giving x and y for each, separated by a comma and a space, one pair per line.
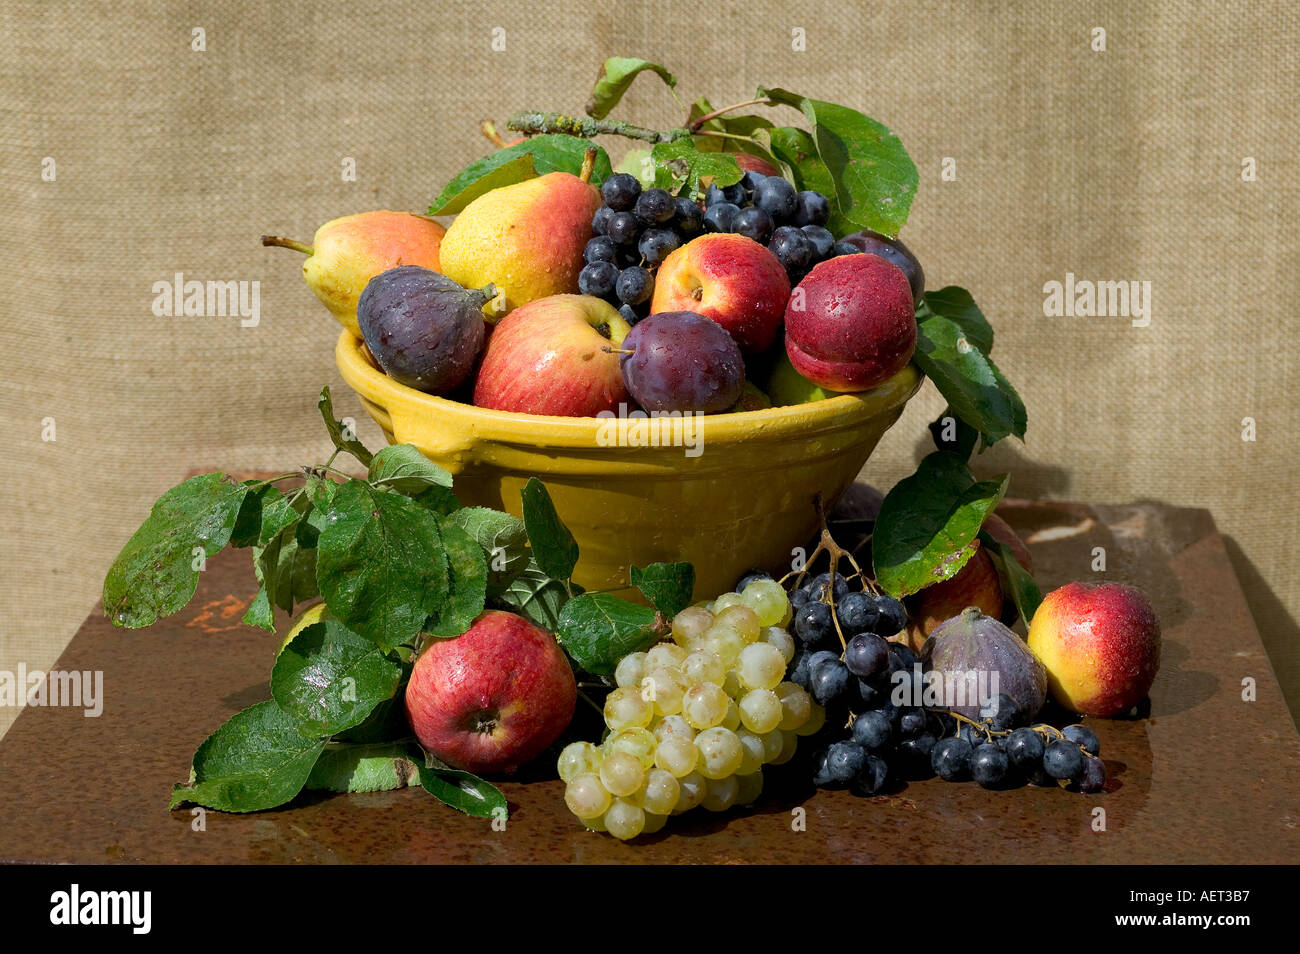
742, 496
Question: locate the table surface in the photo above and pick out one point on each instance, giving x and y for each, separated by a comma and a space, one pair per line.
1207, 778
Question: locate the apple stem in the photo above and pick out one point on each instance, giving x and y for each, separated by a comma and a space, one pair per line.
588, 164
281, 242
489, 129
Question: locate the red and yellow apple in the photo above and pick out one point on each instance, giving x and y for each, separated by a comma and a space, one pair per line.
1100, 643
850, 323
549, 357
731, 279
494, 697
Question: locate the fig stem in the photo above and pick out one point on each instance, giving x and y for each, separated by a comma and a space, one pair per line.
608, 350
282, 242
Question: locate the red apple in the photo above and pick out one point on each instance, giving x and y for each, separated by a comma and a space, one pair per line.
1100, 643
850, 323
751, 163
547, 357
494, 697
731, 279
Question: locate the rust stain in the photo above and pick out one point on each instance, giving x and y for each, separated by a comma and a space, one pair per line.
220, 615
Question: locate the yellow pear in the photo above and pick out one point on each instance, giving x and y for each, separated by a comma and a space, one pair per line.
527, 239
346, 253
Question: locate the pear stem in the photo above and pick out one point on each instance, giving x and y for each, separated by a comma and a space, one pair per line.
532, 122
281, 242
489, 129
588, 164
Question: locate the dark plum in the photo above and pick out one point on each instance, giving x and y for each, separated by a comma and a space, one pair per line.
893, 251
425, 330
682, 361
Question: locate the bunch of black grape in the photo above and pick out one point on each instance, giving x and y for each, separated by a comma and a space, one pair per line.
768, 210
635, 230
876, 731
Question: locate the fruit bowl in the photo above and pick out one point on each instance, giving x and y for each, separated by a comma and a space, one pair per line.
744, 500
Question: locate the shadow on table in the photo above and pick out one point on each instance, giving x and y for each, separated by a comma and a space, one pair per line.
1277, 630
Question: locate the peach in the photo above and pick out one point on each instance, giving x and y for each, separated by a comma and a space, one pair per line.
1100, 643
850, 323
730, 279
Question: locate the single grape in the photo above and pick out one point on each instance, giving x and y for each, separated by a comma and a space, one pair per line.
915, 756
872, 692
776, 196
950, 759
703, 667
799, 598
856, 613
665, 655
750, 180
677, 756
872, 779
720, 217
635, 285
761, 666
725, 601
631, 313
821, 775
789, 744
1024, 747
1084, 737
760, 710
585, 796
753, 752
741, 618
811, 208
891, 618
704, 705
820, 239
627, 708
636, 742
661, 792
814, 625
620, 191
767, 599
600, 249
845, 248
989, 765
816, 719
654, 823
844, 760
748, 788
830, 681
720, 752
781, 639
630, 670
693, 788
799, 672
579, 758
911, 722
867, 655
682, 361
621, 774
873, 731
664, 689
731, 721
690, 625
672, 727
720, 794
600, 221
654, 206
753, 224
1063, 759
820, 587
1094, 776
796, 705
623, 228
689, 219
656, 243
624, 819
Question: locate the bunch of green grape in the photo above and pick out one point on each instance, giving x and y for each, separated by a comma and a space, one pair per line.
694, 719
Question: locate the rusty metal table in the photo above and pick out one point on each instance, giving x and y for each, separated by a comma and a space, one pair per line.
1209, 777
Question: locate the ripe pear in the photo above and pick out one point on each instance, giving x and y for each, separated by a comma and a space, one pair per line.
346, 253
527, 239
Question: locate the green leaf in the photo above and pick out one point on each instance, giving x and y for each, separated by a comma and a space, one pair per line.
615, 77
599, 629
260, 612
667, 586
463, 791
156, 572
403, 468
953, 435
468, 589
535, 156
536, 597
329, 679
286, 569
248, 522
380, 767
929, 523
698, 169
955, 303
502, 536
554, 548
729, 124
255, 761
795, 148
969, 380
344, 439
380, 564
875, 178
1016, 580
386, 722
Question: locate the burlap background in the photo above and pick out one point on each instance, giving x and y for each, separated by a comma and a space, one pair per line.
1116, 165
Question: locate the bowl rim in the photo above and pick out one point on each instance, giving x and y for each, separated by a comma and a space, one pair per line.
844, 410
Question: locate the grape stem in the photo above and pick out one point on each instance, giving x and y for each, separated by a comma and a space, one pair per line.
532, 122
